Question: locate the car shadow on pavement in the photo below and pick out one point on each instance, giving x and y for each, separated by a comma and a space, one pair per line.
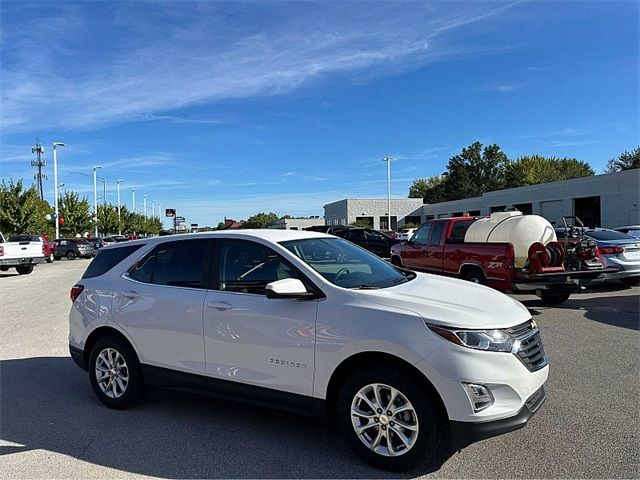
616, 310
47, 403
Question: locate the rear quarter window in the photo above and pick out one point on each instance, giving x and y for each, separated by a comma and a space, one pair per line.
107, 259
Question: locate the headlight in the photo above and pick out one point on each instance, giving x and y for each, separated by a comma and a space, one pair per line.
489, 340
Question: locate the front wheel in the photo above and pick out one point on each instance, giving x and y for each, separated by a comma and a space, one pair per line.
71, 255
24, 269
554, 298
115, 373
388, 419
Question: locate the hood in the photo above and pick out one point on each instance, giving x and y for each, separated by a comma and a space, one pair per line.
451, 302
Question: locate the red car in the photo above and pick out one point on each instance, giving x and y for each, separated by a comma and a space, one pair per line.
439, 247
47, 246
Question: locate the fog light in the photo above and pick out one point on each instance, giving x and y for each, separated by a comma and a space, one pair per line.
479, 396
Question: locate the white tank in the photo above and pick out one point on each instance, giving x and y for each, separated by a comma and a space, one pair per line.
515, 228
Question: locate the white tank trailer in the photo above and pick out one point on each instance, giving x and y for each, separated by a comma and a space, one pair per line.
522, 231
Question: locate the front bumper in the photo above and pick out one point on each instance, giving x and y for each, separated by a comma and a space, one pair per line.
13, 262
464, 434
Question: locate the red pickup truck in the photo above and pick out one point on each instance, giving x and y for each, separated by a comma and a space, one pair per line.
438, 246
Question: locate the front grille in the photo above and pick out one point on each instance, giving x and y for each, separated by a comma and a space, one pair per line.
531, 352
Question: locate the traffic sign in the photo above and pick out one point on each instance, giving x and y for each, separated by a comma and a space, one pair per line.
170, 212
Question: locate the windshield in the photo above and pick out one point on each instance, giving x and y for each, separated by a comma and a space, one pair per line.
347, 265
605, 235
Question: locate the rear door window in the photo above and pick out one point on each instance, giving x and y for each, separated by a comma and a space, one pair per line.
107, 259
436, 233
175, 264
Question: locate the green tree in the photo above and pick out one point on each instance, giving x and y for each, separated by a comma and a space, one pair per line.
626, 161
261, 220
431, 189
536, 169
108, 219
220, 225
361, 224
474, 171
76, 213
22, 211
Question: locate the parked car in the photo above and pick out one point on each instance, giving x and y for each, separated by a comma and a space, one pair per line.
73, 248
631, 230
22, 254
439, 246
373, 240
48, 246
406, 234
399, 359
617, 251
97, 242
108, 241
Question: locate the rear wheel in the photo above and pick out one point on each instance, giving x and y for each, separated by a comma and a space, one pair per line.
631, 281
395, 260
50, 258
115, 373
4, 268
554, 298
475, 275
71, 255
388, 418
24, 269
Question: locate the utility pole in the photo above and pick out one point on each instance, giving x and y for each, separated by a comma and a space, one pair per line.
40, 162
55, 185
118, 182
388, 160
95, 197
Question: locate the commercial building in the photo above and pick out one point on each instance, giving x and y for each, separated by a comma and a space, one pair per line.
609, 200
297, 223
374, 212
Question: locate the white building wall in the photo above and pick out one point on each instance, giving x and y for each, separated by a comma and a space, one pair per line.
296, 223
345, 212
619, 199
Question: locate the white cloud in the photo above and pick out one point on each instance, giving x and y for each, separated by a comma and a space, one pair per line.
75, 69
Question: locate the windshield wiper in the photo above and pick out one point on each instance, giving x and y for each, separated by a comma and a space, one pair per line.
366, 286
397, 281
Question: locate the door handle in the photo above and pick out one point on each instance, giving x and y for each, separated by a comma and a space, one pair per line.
130, 294
220, 305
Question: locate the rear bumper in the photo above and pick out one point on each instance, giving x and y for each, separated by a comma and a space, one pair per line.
559, 282
13, 262
78, 356
464, 434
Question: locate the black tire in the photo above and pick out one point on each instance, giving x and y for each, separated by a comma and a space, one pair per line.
395, 260
71, 255
630, 281
554, 298
428, 435
24, 269
135, 387
4, 268
475, 275
50, 258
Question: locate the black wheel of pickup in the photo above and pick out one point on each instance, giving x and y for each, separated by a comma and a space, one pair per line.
475, 275
554, 298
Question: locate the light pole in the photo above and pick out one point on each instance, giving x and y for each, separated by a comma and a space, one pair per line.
144, 205
118, 182
153, 209
55, 184
388, 160
133, 200
95, 197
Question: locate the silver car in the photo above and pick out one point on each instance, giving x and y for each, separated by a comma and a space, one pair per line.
620, 251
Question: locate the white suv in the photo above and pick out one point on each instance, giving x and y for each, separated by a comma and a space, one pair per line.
313, 323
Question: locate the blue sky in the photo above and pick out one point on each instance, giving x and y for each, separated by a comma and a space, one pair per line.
227, 109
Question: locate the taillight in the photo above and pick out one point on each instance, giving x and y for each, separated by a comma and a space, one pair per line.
43, 249
610, 250
75, 292
1, 251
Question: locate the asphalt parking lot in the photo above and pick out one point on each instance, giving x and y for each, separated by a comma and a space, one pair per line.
51, 425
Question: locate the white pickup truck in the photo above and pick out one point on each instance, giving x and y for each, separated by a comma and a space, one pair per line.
21, 255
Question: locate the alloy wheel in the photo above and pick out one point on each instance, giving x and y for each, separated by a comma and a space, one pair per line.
112, 373
384, 420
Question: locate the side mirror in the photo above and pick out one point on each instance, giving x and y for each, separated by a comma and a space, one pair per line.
287, 288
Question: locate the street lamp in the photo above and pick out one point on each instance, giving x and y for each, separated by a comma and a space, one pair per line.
95, 196
144, 205
118, 182
388, 160
153, 209
133, 200
55, 184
